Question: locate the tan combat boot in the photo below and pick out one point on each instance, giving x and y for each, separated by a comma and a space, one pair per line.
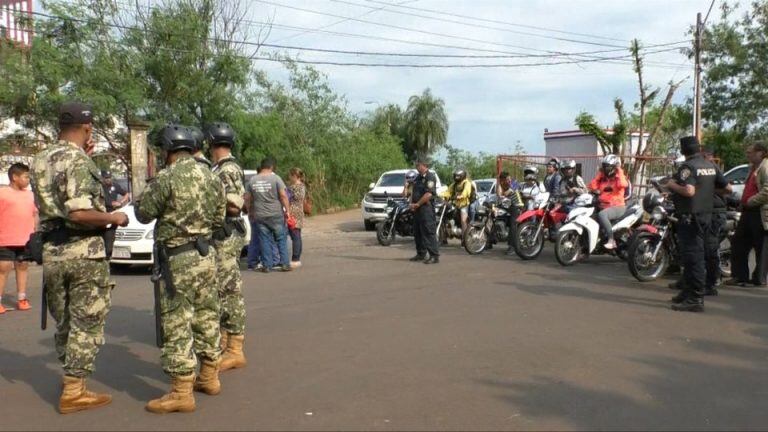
75, 397
233, 356
208, 380
180, 398
224, 338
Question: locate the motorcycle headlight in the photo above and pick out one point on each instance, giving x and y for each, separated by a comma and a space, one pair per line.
150, 235
658, 213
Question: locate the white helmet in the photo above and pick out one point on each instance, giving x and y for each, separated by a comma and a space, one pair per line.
411, 175
530, 172
610, 163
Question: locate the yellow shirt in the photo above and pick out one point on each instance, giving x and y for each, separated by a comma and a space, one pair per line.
459, 193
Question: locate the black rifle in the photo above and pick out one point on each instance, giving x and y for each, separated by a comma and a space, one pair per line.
44, 306
157, 280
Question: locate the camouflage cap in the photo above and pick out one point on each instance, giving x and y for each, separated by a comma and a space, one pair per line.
75, 113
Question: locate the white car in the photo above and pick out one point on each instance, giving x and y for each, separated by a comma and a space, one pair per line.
390, 185
484, 188
133, 243
737, 176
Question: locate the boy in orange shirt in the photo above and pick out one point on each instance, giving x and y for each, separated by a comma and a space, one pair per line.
17, 221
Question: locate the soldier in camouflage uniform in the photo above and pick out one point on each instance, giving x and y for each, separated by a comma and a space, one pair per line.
229, 243
188, 202
199, 141
73, 217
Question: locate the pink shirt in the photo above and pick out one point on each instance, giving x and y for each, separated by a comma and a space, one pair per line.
17, 216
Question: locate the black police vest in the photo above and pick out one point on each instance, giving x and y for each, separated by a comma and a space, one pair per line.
421, 187
705, 173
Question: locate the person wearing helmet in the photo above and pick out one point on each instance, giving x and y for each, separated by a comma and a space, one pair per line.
77, 284
610, 183
530, 187
188, 202
199, 145
553, 177
460, 192
507, 187
229, 242
410, 177
571, 185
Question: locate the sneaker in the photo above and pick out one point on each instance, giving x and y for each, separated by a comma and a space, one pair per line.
23, 305
285, 268
610, 244
295, 264
2, 309
432, 260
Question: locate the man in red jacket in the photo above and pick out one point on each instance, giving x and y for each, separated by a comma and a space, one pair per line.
610, 183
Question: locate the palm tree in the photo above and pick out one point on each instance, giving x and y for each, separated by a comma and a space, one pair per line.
426, 124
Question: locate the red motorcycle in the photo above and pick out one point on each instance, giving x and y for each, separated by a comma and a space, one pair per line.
533, 226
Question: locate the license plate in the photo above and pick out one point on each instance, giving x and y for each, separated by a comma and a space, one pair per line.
120, 252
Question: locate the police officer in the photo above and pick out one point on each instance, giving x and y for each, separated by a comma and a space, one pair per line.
188, 202
693, 188
73, 216
425, 223
229, 241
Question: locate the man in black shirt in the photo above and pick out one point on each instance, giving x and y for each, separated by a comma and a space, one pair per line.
114, 194
425, 223
693, 189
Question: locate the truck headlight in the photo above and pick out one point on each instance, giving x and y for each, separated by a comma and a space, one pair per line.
150, 235
368, 198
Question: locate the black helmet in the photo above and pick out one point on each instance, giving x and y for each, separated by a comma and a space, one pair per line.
651, 200
175, 137
106, 174
220, 134
198, 135
459, 175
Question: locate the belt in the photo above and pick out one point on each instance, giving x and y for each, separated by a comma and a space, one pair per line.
173, 251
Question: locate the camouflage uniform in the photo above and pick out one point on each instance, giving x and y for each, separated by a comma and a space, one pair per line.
76, 273
188, 202
228, 252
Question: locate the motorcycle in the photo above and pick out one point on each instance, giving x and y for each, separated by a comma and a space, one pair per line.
534, 226
654, 247
579, 237
399, 221
490, 225
448, 221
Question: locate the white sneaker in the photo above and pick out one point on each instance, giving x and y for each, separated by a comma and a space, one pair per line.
295, 264
610, 244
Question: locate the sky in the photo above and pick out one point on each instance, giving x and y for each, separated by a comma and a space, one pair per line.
490, 109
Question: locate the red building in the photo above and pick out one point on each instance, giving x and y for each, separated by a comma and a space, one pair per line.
12, 20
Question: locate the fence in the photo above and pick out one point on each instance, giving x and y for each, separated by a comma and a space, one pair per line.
639, 169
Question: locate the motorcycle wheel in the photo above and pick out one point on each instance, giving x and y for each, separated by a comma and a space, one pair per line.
382, 233
724, 254
527, 247
639, 256
568, 247
475, 239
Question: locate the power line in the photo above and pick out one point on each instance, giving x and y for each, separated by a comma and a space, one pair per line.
486, 27
493, 21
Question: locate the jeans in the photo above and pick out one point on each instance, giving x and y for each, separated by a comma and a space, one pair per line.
296, 244
269, 233
254, 250
604, 219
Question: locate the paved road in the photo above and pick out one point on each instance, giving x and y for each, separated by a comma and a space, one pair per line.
360, 338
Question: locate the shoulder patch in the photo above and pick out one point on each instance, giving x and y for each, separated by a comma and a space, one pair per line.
685, 172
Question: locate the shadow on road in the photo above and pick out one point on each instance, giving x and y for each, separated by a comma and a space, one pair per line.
130, 377
351, 226
41, 372
135, 324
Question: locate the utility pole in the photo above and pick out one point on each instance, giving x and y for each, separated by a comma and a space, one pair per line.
697, 78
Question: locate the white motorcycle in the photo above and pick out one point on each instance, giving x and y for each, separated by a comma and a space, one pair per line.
579, 237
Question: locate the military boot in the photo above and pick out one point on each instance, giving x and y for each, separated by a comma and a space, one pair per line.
75, 397
224, 336
233, 357
179, 399
208, 380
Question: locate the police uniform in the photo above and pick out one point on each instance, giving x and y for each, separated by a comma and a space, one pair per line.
228, 247
425, 222
695, 219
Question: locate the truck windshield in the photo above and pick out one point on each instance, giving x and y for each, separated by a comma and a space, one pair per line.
392, 180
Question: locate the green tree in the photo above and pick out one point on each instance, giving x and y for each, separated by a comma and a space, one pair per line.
609, 142
426, 124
